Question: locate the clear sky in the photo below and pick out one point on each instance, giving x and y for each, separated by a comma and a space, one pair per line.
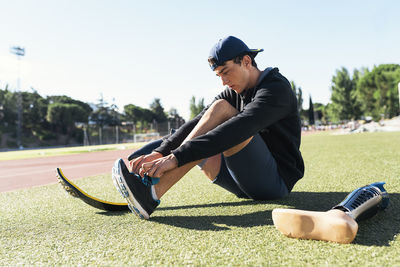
133, 51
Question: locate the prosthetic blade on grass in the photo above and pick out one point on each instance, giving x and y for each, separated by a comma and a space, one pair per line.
75, 191
338, 224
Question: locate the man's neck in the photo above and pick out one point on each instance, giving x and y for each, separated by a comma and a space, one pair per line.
254, 75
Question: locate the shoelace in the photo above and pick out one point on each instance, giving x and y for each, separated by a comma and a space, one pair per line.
147, 180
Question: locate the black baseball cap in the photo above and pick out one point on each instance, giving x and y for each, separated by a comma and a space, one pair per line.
226, 49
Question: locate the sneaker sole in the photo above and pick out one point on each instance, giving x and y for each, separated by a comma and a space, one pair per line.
123, 189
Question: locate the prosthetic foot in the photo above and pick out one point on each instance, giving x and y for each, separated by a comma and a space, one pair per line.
338, 224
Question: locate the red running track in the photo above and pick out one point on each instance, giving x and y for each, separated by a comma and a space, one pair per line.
17, 174
23, 173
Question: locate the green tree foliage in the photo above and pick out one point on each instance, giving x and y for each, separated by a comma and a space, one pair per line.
105, 114
8, 110
68, 100
175, 118
34, 109
311, 118
134, 113
141, 117
299, 95
115, 115
138, 114
377, 90
320, 113
158, 110
63, 116
66, 110
195, 109
173, 114
63, 112
345, 105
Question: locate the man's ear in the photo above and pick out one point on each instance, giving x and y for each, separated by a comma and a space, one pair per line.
246, 61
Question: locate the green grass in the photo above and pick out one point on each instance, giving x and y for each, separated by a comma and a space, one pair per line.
198, 223
35, 153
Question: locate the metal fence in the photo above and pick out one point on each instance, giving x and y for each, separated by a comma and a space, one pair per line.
125, 133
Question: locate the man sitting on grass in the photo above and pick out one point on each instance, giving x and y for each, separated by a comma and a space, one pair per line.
246, 141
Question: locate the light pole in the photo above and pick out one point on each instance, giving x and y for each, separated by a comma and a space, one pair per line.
19, 52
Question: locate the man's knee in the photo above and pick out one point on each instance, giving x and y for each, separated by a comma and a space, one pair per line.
211, 166
222, 109
233, 150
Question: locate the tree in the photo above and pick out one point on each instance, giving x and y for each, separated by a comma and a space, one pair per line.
141, 117
34, 112
8, 107
377, 90
68, 100
133, 113
320, 112
158, 110
173, 113
195, 109
104, 114
345, 104
63, 117
115, 115
311, 118
299, 95
174, 118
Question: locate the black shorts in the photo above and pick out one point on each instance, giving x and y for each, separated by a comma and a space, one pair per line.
252, 173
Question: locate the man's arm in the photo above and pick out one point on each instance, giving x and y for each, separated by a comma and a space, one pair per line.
173, 141
269, 106
176, 139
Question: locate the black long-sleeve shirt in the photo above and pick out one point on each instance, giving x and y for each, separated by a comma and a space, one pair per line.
270, 109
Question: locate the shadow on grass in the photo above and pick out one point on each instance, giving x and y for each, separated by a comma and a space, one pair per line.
112, 213
217, 222
378, 231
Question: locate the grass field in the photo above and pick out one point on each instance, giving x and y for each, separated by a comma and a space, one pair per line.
198, 223
35, 153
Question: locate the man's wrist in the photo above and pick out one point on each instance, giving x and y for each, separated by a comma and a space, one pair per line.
175, 160
159, 152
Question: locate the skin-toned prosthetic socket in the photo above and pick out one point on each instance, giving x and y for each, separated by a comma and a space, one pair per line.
338, 224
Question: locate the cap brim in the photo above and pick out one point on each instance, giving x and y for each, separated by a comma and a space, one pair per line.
256, 51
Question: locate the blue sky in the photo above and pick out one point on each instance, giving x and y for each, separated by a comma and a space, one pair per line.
134, 51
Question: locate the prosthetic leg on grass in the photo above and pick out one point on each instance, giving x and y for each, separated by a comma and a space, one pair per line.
338, 224
95, 202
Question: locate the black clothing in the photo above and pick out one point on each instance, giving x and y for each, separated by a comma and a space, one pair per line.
269, 109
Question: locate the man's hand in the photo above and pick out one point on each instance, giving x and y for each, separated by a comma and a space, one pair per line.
136, 163
158, 167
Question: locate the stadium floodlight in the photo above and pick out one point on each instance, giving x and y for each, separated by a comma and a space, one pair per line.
19, 52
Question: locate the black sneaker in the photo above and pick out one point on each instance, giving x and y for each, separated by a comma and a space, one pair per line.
136, 190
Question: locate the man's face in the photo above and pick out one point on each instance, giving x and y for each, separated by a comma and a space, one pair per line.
236, 76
